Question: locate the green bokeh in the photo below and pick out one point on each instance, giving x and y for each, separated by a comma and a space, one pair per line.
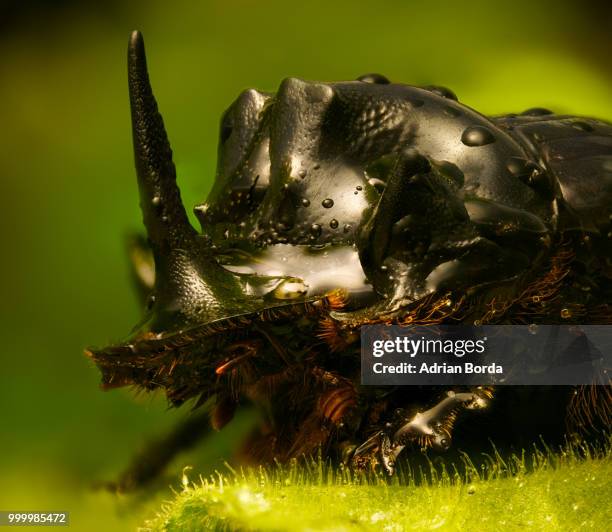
69, 195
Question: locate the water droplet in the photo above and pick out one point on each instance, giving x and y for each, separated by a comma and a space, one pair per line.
477, 136
445, 92
315, 230
471, 489
347, 228
537, 111
566, 313
328, 203
305, 202
156, 201
378, 79
302, 174
359, 187
290, 289
378, 184
333, 223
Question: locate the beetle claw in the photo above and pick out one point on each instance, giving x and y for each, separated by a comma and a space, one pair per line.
382, 446
431, 428
371, 443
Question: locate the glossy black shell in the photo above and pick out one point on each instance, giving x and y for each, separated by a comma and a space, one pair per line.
309, 166
308, 154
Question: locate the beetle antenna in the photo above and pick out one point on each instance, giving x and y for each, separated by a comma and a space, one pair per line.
163, 213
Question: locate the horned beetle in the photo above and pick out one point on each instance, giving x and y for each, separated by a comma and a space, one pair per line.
342, 204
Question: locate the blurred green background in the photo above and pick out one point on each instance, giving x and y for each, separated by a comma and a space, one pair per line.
69, 194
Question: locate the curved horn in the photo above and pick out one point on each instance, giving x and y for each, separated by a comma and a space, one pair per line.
163, 213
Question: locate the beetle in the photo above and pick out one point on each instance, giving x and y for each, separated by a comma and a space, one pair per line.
342, 204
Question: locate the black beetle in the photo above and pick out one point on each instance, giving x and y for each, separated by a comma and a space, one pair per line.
341, 204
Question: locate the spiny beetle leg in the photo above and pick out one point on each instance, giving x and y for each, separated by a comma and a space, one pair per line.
431, 428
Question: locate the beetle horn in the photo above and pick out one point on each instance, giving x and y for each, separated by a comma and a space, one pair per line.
163, 213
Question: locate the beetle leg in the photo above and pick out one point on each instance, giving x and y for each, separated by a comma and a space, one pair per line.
434, 426
431, 428
381, 446
373, 442
150, 463
388, 453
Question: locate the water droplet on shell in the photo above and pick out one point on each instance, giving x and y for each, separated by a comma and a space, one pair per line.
475, 136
